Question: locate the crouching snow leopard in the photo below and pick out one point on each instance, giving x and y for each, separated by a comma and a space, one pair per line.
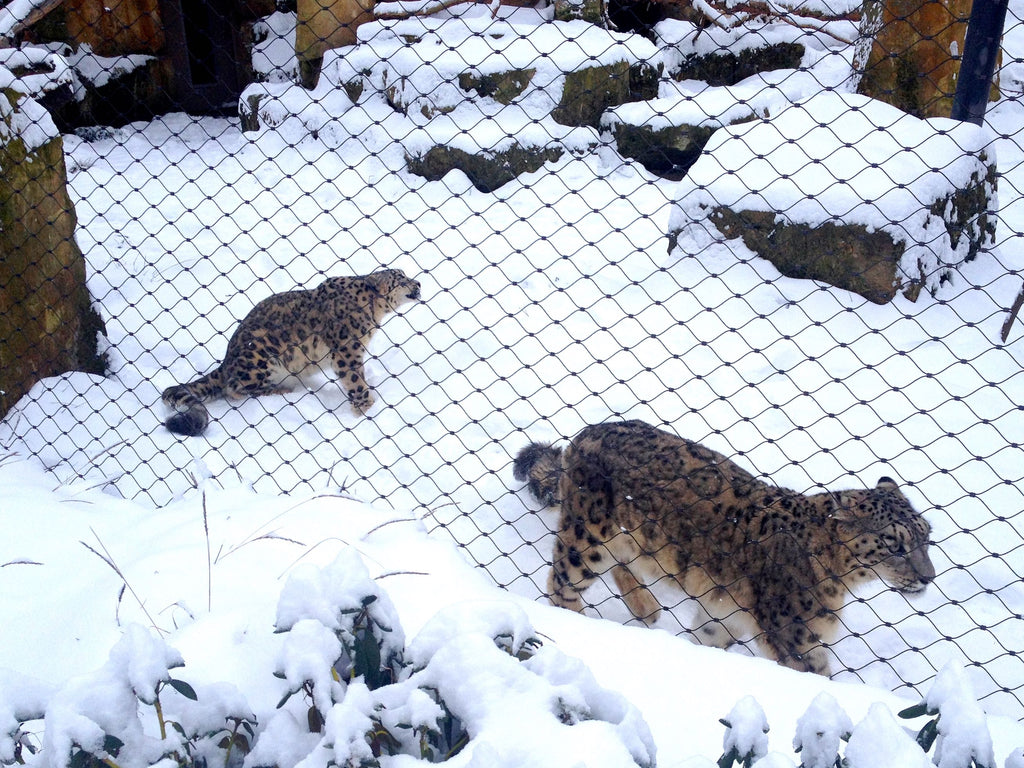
289, 338
759, 560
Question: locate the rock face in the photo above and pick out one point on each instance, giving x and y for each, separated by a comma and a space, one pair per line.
487, 171
728, 68
46, 324
668, 151
845, 255
842, 190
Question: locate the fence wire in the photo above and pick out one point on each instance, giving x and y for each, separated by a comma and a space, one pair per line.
605, 224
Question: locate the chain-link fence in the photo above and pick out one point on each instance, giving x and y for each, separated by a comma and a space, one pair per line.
681, 213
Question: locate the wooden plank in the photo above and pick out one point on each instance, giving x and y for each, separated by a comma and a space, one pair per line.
37, 14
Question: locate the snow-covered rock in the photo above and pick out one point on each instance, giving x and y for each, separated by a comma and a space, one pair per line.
801, 189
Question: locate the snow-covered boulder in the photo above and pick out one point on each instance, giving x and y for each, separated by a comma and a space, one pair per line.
429, 66
668, 134
742, 45
846, 190
721, 77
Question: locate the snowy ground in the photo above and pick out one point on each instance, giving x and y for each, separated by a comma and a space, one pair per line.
549, 304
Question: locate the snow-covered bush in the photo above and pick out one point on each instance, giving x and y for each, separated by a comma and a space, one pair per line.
746, 734
349, 693
958, 728
475, 686
371, 699
819, 733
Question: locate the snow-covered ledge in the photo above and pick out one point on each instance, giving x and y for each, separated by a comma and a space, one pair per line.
847, 190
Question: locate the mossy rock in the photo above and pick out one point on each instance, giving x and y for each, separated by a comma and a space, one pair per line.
968, 212
590, 91
643, 81
668, 152
848, 256
138, 94
591, 11
488, 171
503, 87
730, 68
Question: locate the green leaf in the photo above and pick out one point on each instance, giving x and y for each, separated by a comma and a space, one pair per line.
367, 661
284, 699
917, 710
926, 736
184, 689
314, 720
730, 757
111, 744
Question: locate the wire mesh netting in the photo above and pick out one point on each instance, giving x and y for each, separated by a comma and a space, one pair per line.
680, 213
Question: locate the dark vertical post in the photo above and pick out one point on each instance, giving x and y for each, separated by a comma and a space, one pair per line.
978, 64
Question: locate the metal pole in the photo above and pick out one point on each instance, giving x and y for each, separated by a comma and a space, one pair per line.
978, 64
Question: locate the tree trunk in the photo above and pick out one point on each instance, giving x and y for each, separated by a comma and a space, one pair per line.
325, 24
46, 324
912, 53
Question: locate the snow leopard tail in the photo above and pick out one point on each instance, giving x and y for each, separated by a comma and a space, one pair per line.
540, 466
190, 416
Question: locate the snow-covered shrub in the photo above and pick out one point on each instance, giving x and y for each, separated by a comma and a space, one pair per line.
819, 731
99, 719
957, 727
95, 719
746, 734
470, 667
21, 700
340, 627
878, 741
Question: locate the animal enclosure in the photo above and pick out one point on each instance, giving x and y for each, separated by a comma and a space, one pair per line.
701, 223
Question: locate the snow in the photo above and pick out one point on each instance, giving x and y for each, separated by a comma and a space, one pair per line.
24, 119
273, 53
549, 304
819, 732
881, 728
13, 12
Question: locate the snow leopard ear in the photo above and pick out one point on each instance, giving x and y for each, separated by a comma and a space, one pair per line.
852, 505
888, 484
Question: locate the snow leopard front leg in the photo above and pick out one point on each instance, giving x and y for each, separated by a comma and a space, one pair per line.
349, 368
